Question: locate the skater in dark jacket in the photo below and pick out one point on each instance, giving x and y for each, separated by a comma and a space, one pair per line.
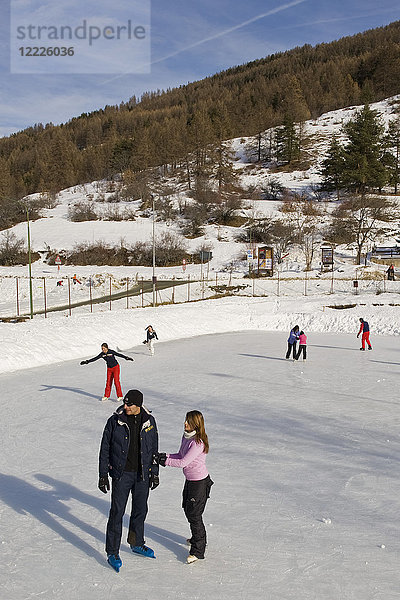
151, 336
113, 369
129, 441
390, 273
292, 341
192, 459
364, 330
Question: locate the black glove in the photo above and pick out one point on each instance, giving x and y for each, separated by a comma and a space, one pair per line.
104, 484
144, 342
129, 358
154, 481
84, 362
159, 458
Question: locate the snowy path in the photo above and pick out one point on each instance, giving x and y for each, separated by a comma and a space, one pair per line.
292, 444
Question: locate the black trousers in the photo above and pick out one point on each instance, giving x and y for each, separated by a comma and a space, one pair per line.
130, 483
194, 500
289, 349
304, 348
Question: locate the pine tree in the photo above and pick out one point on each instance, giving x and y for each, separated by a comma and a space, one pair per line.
62, 160
122, 156
287, 142
294, 103
200, 132
332, 168
5, 179
363, 170
392, 155
223, 171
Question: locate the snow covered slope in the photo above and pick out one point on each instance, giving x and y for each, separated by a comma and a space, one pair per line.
55, 231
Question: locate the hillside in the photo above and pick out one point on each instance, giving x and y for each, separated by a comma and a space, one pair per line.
172, 128
56, 232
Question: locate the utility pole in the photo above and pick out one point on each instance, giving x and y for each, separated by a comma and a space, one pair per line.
154, 255
29, 263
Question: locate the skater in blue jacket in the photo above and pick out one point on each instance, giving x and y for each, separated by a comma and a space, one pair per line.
292, 341
129, 441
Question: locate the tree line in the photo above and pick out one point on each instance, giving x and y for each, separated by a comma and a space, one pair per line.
182, 129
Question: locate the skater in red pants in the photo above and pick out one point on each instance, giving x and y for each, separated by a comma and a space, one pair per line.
112, 369
364, 330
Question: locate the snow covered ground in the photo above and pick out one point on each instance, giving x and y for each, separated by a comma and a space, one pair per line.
304, 457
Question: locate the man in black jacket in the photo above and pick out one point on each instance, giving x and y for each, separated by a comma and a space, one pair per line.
130, 439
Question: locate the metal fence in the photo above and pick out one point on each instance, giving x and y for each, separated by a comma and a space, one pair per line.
103, 292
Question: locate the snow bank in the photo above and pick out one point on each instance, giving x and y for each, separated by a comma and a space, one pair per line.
59, 338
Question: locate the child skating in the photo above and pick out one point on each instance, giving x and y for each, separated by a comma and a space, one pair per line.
113, 369
302, 346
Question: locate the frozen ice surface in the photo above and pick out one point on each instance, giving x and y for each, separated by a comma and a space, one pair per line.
285, 448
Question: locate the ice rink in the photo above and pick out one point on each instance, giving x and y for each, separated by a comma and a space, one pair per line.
304, 456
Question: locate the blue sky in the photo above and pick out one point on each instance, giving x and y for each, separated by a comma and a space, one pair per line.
190, 39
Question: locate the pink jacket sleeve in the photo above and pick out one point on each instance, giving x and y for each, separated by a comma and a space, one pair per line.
176, 460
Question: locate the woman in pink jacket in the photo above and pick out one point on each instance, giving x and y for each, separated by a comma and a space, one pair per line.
192, 459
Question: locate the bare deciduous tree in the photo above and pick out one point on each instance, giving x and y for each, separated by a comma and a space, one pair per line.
361, 219
304, 216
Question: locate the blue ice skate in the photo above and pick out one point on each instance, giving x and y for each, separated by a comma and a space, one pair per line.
114, 561
143, 550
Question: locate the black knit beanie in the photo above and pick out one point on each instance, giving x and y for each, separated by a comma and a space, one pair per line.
133, 397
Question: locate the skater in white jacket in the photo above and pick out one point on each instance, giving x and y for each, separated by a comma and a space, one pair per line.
151, 336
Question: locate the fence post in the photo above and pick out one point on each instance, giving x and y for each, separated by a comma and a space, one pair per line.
305, 283
332, 281
188, 288
90, 294
44, 294
16, 279
277, 283
173, 292
254, 285
69, 295
127, 297
110, 293
142, 292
